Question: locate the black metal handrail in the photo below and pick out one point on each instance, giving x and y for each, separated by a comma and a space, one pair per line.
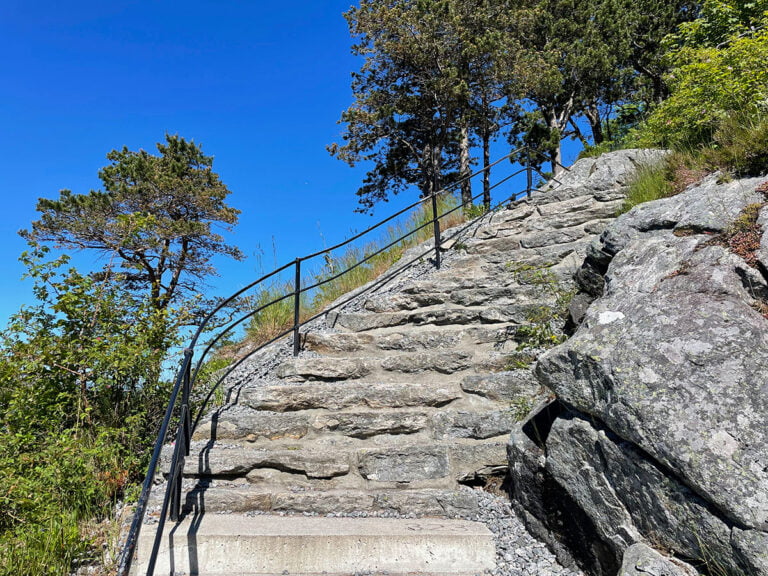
188, 375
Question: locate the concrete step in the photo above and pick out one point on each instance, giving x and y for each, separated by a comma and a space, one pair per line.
250, 545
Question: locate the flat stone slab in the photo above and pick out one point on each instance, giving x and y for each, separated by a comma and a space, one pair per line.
219, 498
237, 544
334, 396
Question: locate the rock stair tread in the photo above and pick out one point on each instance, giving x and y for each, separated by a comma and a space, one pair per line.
474, 418
443, 462
220, 497
338, 396
411, 339
433, 315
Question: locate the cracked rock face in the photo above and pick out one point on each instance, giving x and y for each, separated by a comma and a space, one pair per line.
665, 384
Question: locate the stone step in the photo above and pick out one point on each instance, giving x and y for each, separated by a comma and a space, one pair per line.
339, 396
253, 426
241, 423
437, 315
427, 366
354, 463
507, 386
507, 251
409, 339
335, 368
426, 295
221, 497
259, 545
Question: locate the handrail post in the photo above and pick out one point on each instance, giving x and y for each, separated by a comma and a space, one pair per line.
297, 309
183, 440
436, 225
528, 172
186, 393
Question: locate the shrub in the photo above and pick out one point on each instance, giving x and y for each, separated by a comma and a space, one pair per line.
709, 86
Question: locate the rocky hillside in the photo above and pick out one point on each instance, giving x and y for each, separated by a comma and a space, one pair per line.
658, 435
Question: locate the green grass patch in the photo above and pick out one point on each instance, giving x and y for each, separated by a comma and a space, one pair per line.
650, 183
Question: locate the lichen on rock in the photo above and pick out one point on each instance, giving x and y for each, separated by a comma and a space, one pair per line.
663, 438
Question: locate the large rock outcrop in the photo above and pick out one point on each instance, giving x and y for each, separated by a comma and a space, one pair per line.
658, 434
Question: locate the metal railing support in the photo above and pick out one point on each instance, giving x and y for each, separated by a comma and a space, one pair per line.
297, 309
528, 173
436, 226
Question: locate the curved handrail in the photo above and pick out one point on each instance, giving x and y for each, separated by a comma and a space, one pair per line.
187, 374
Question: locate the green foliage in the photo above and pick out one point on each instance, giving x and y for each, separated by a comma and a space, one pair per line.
341, 274
402, 120
718, 21
208, 380
570, 59
544, 328
709, 86
521, 407
399, 237
80, 398
474, 211
81, 393
650, 183
155, 217
590, 151
277, 314
741, 145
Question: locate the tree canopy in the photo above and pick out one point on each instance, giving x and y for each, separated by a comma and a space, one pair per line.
442, 76
157, 216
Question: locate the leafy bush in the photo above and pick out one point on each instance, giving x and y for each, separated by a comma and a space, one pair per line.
80, 399
709, 86
544, 328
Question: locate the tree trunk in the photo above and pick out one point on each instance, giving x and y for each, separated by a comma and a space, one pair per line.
595, 123
486, 137
556, 153
464, 169
557, 161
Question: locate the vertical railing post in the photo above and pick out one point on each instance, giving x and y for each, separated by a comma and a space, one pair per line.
297, 309
436, 226
183, 440
528, 172
186, 393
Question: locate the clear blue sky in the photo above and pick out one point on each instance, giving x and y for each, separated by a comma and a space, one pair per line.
259, 84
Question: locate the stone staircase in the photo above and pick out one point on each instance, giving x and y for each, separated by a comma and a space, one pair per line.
366, 453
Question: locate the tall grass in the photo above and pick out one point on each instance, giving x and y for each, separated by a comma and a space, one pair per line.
650, 183
47, 548
354, 267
